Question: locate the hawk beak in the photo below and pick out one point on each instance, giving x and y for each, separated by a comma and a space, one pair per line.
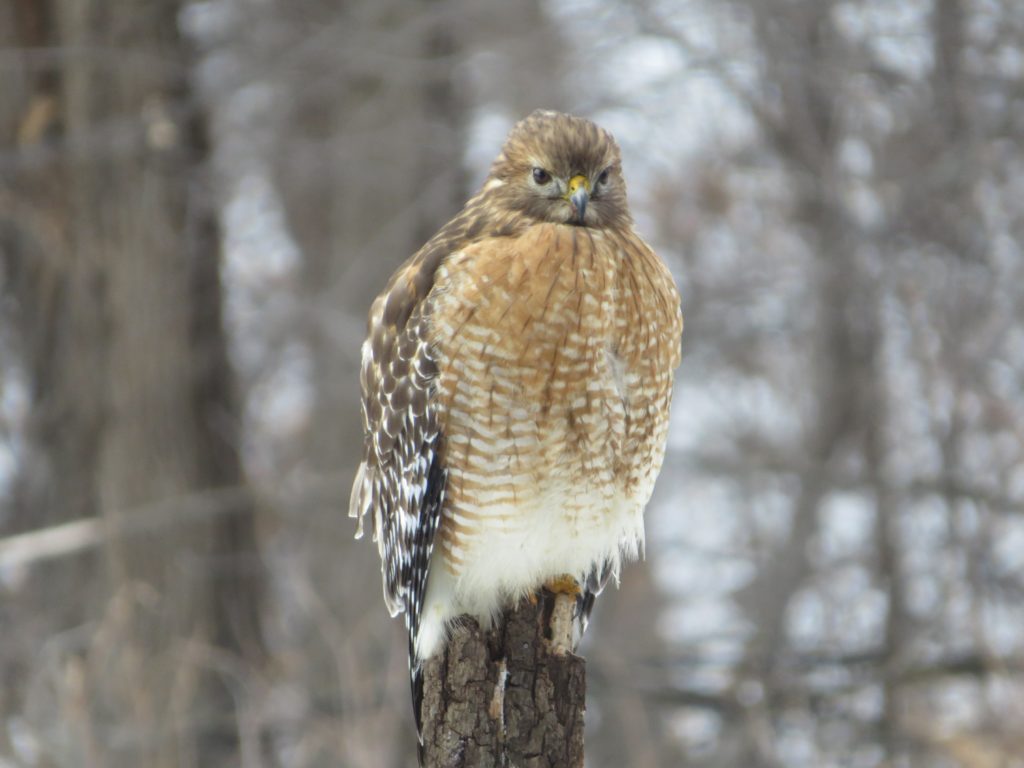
578, 195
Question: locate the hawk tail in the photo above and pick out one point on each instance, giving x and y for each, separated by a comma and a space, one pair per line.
419, 566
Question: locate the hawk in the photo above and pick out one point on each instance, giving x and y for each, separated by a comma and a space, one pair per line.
516, 385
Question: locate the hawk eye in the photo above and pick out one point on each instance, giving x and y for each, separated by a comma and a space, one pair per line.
541, 176
603, 178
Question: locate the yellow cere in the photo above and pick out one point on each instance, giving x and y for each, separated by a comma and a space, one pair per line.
575, 183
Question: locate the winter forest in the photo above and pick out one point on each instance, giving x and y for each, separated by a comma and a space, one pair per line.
199, 201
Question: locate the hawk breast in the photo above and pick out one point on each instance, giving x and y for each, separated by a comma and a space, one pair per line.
555, 353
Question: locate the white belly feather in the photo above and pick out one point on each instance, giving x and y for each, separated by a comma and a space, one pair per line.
504, 565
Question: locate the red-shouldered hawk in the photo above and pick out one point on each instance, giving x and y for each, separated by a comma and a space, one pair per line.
516, 387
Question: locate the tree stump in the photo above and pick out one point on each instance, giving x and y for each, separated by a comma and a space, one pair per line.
509, 697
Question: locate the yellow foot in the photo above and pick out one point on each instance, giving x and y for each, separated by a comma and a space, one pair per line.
563, 585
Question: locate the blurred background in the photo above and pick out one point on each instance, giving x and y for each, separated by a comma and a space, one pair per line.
199, 200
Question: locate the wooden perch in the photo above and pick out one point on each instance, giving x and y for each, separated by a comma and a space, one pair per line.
512, 696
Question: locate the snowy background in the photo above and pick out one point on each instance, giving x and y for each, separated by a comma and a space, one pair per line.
835, 564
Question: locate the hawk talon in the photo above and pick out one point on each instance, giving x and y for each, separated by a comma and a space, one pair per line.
564, 585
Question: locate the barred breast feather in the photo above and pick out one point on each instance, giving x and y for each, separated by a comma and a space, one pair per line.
555, 354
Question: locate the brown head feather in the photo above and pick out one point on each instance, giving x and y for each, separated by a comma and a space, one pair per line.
510, 200
563, 146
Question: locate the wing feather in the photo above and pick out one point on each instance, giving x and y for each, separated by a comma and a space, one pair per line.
400, 416
402, 438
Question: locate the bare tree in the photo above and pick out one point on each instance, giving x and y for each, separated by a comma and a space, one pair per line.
871, 211
135, 420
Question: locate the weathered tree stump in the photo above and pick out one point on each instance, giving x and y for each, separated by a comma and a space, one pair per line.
510, 697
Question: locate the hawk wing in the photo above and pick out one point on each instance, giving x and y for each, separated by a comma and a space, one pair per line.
401, 480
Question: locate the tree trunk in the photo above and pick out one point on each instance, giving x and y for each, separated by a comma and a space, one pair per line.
118, 298
510, 696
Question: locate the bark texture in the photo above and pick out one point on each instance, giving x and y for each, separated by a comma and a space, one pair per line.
506, 696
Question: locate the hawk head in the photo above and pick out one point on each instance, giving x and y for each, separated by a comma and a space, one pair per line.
562, 169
